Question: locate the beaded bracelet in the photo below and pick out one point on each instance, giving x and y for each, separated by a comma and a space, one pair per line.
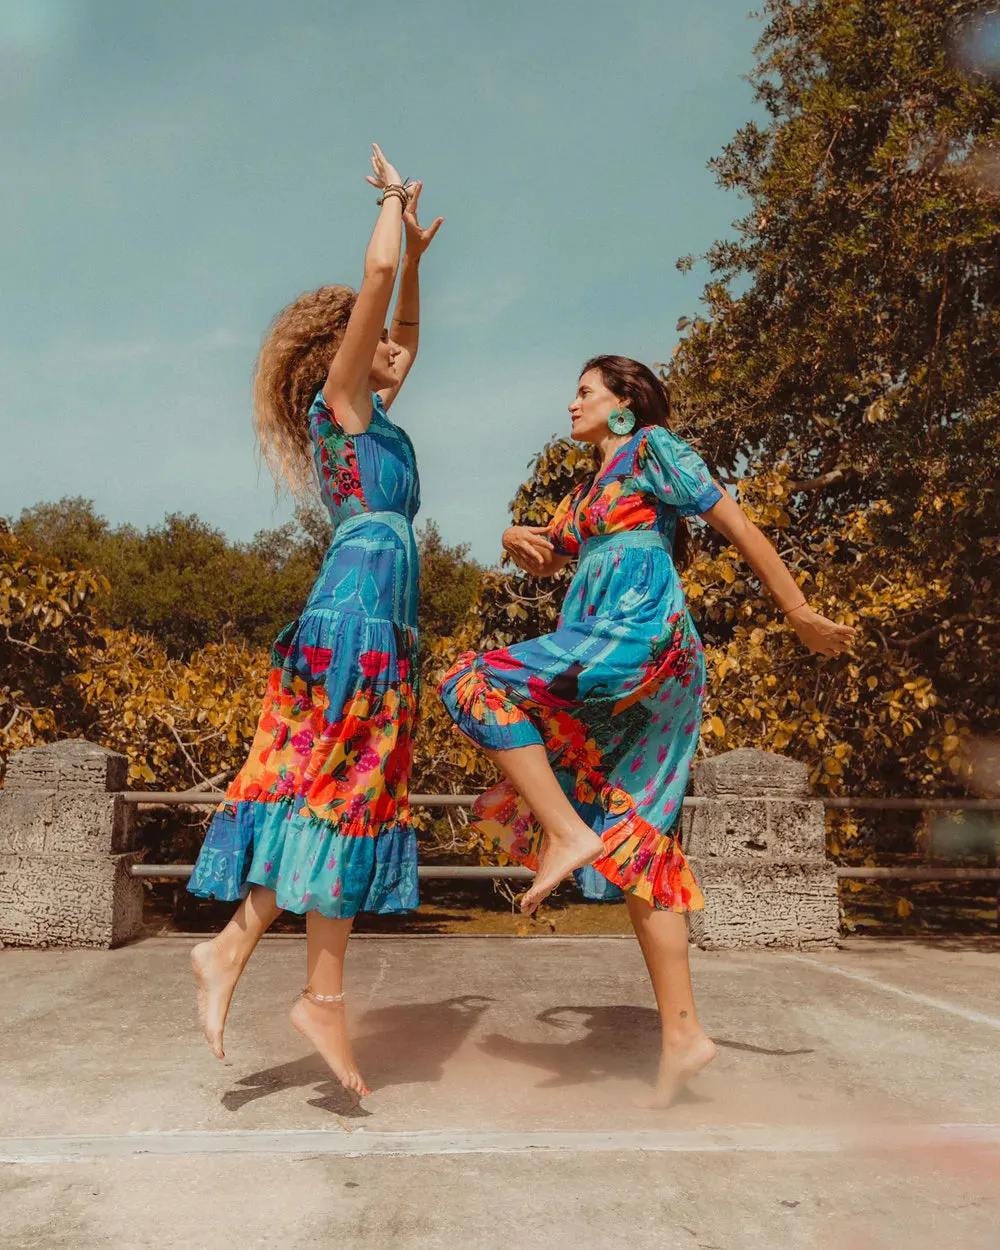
394, 189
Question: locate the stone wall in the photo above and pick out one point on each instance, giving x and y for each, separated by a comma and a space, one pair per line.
756, 842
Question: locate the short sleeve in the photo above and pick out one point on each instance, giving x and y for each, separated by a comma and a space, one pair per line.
675, 473
562, 528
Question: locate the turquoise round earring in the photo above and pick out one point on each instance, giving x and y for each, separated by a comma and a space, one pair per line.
621, 420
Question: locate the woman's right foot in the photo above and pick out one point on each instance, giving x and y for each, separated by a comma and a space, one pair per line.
560, 857
678, 1064
324, 1026
215, 978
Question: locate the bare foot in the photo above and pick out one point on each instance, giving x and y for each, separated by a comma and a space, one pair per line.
561, 856
215, 978
678, 1065
323, 1025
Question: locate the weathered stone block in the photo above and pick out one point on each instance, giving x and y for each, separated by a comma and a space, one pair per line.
68, 900
65, 820
758, 829
751, 773
790, 906
64, 877
757, 844
70, 764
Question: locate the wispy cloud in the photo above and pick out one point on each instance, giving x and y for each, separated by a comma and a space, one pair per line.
83, 353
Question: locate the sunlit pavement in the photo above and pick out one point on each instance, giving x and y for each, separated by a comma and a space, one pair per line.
854, 1103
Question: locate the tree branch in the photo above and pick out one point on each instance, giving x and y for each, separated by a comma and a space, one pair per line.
924, 634
177, 739
826, 479
28, 646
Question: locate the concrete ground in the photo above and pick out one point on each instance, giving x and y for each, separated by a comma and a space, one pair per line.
854, 1104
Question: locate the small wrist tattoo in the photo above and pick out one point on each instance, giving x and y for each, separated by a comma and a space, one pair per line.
400, 322
684, 1015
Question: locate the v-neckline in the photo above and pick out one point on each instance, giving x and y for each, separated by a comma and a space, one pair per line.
598, 477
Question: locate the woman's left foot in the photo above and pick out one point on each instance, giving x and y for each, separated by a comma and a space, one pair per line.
559, 858
321, 1022
678, 1065
215, 979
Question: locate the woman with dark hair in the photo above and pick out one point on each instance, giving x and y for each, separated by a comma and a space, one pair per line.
595, 725
317, 820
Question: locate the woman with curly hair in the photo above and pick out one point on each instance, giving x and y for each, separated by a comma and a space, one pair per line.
317, 821
595, 725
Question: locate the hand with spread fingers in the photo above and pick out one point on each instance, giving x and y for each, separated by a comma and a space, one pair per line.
820, 635
418, 239
530, 548
383, 174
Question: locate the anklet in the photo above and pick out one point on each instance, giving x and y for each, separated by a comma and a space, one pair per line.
324, 998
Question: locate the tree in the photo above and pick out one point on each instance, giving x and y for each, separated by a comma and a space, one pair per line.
845, 378
183, 582
449, 583
47, 623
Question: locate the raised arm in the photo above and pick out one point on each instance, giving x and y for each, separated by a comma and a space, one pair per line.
405, 331
815, 631
346, 386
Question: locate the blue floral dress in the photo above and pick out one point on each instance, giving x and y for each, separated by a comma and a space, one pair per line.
319, 813
615, 693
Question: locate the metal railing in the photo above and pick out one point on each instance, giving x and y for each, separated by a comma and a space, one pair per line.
460, 872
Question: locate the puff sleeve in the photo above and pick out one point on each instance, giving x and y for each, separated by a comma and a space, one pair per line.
675, 473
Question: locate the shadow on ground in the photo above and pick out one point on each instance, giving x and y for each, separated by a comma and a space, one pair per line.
619, 1043
407, 1044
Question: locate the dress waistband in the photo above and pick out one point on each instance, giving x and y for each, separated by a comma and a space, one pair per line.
626, 538
396, 521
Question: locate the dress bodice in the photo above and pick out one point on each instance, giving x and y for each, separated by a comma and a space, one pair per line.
653, 479
375, 471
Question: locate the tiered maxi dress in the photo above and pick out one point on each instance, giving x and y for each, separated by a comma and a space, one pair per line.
319, 812
615, 693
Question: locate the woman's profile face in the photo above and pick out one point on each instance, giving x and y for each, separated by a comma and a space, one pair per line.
383, 371
591, 407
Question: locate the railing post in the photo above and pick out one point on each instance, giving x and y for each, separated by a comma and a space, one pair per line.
65, 843
757, 844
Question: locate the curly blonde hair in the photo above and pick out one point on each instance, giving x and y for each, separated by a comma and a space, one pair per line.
291, 367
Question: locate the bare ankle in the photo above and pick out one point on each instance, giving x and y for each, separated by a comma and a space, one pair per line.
228, 957
682, 1029
567, 833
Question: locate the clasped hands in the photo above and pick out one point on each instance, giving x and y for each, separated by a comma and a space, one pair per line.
530, 547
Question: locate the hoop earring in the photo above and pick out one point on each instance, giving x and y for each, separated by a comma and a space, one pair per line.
621, 420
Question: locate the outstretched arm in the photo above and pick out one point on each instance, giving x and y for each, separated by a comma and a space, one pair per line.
815, 631
346, 386
405, 329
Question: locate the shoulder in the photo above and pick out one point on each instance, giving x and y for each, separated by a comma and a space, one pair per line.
320, 411
663, 444
662, 450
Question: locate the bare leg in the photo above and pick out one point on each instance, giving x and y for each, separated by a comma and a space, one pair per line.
320, 1022
568, 842
219, 963
687, 1048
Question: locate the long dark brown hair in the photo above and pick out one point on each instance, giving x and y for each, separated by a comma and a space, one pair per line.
649, 398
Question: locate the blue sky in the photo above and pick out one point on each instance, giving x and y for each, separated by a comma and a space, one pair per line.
174, 174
